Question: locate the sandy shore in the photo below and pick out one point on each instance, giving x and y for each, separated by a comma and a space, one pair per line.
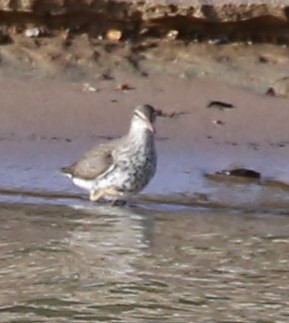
47, 124
194, 244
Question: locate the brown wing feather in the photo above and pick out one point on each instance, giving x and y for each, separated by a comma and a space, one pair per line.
95, 162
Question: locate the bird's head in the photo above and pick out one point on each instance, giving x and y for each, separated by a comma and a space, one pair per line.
146, 116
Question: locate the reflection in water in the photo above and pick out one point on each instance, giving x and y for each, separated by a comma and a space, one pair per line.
62, 264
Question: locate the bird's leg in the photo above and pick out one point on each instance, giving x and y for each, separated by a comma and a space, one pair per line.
112, 191
115, 194
113, 202
96, 195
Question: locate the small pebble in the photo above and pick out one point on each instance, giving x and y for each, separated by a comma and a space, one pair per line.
114, 34
32, 32
123, 87
218, 122
88, 88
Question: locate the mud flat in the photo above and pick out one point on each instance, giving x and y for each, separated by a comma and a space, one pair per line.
48, 124
197, 245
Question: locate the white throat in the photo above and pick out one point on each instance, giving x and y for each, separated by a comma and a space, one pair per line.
138, 128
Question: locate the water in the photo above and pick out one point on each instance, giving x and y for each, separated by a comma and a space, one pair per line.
192, 248
140, 264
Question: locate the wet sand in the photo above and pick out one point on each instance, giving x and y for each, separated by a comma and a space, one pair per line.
193, 247
49, 124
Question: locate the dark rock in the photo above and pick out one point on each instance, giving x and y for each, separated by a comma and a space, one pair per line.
220, 105
241, 172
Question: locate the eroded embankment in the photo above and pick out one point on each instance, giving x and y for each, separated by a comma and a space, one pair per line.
199, 20
84, 40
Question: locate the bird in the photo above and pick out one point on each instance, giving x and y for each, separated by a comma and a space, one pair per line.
120, 167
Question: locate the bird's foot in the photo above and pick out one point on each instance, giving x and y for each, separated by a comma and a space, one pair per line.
97, 195
118, 203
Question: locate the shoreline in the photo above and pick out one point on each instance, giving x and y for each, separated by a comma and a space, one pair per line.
59, 121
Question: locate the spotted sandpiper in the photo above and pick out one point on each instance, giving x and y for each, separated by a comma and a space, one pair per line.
120, 167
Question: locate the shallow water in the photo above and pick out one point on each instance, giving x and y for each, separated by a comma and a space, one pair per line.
192, 248
139, 264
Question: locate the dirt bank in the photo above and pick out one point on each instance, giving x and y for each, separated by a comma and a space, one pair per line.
244, 44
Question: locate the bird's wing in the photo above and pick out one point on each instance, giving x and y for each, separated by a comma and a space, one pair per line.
94, 163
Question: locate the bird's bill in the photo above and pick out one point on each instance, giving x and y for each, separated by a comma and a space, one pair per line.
150, 126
